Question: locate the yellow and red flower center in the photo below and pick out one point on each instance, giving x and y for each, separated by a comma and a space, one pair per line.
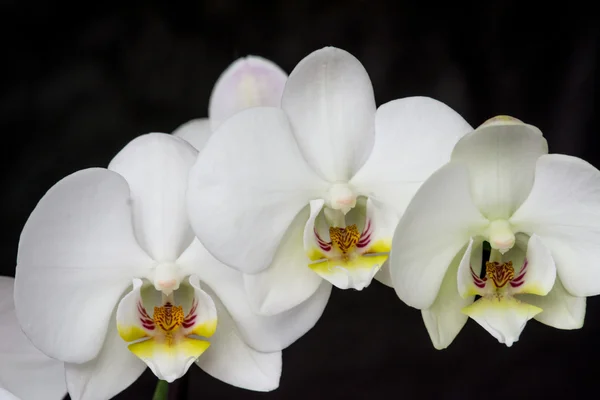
499, 273
168, 318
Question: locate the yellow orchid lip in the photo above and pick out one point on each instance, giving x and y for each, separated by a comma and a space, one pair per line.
168, 340
350, 259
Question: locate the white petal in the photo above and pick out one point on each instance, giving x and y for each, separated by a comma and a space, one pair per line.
330, 102
156, 167
563, 209
21, 364
264, 333
113, 371
538, 272
468, 282
232, 361
444, 319
196, 132
288, 281
501, 160
560, 309
438, 222
248, 82
77, 255
503, 318
414, 137
384, 276
246, 187
6, 395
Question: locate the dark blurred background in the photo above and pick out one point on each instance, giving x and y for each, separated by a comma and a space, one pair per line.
81, 80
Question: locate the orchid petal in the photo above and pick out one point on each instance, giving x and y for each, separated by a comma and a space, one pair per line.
331, 106
538, 272
77, 255
288, 281
384, 276
444, 319
501, 159
560, 309
112, 371
246, 187
439, 221
248, 82
468, 282
264, 333
196, 132
22, 363
414, 137
156, 167
563, 209
232, 361
6, 395
504, 318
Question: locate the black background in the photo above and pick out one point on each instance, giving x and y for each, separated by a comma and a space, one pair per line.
81, 80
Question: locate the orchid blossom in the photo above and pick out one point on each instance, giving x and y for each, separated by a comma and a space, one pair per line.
110, 279
313, 190
540, 214
248, 82
25, 372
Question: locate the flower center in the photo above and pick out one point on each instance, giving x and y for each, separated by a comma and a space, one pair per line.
344, 239
168, 317
499, 273
341, 197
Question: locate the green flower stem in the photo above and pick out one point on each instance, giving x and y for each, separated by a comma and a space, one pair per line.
161, 391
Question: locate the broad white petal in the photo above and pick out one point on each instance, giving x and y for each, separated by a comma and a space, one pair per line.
248, 82
330, 102
560, 309
24, 370
246, 187
444, 319
156, 167
563, 209
504, 318
264, 333
112, 371
288, 281
196, 132
77, 255
538, 272
6, 395
439, 221
414, 137
501, 159
232, 361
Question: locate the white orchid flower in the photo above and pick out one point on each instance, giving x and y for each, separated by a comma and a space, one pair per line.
327, 146
248, 82
540, 214
97, 231
25, 372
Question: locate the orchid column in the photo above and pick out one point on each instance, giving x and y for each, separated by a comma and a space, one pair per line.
540, 214
313, 190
